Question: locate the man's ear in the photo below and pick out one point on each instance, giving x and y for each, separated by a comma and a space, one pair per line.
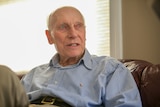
49, 37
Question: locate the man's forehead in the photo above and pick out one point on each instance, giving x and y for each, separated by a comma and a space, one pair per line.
65, 14
67, 11
68, 15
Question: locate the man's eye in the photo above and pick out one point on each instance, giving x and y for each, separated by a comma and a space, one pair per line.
78, 26
63, 27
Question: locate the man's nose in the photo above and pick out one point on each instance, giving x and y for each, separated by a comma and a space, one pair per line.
72, 32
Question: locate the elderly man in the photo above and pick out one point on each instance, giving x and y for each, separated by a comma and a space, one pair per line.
74, 77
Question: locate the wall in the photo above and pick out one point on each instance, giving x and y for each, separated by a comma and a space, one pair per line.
141, 31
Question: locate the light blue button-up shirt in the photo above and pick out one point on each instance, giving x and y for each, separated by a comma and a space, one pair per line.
95, 81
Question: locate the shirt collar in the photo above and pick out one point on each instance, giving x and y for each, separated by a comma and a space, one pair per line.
86, 60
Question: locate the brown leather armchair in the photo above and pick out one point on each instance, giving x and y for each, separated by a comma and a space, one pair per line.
147, 77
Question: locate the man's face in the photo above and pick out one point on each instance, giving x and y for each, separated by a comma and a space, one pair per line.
68, 33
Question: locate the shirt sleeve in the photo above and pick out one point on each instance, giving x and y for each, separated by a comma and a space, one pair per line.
121, 89
27, 80
30, 87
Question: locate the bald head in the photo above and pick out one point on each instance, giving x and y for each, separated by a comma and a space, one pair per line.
63, 12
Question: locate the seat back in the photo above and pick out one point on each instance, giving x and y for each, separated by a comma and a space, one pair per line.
147, 77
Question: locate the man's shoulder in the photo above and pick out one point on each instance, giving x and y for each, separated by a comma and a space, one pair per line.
41, 67
104, 58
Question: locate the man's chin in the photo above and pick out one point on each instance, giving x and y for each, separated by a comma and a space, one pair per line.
75, 54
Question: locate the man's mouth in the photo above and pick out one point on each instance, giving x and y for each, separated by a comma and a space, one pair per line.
73, 44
